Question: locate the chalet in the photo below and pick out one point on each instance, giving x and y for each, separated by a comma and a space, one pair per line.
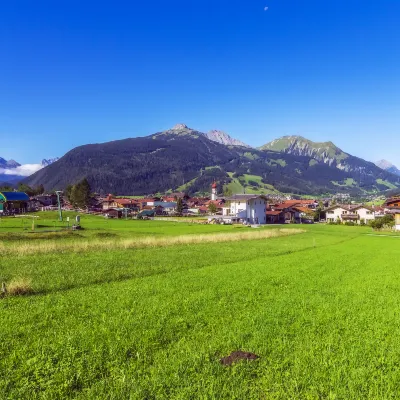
349, 213
114, 213
147, 201
303, 214
310, 204
275, 217
167, 208
13, 203
394, 202
111, 202
250, 208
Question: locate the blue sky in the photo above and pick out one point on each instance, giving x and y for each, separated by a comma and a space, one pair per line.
73, 73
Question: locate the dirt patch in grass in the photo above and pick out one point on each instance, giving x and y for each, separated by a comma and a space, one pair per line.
105, 235
19, 287
236, 356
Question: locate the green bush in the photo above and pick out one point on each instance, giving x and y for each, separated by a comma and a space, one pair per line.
386, 222
349, 223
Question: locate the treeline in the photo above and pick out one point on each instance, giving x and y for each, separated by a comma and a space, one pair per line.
30, 191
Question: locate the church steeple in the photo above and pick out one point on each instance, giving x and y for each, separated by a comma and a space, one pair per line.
214, 191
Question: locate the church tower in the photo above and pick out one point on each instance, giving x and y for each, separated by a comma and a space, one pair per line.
214, 191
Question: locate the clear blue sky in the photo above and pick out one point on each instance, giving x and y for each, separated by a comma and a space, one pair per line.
74, 73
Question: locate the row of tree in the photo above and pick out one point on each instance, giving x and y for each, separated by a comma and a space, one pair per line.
30, 191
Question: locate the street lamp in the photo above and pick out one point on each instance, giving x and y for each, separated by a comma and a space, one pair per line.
58, 193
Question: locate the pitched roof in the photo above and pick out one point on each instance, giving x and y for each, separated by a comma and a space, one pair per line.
14, 196
243, 197
125, 201
274, 212
303, 210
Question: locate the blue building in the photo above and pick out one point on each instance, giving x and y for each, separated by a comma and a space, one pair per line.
13, 203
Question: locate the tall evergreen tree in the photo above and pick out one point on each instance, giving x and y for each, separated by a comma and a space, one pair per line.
179, 206
79, 194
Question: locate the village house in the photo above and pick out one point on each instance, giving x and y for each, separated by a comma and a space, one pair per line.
111, 202
394, 202
349, 213
166, 208
250, 208
295, 211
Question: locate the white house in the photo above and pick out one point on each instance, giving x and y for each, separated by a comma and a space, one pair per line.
250, 208
345, 213
364, 212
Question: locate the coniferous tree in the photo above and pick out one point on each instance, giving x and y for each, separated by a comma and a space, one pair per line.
179, 206
79, 194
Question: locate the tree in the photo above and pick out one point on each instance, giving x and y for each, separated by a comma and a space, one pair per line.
383, 222
179, 206
212, 208
39, 189
26, 189
68, 192
228, 192
319, 212
79, 194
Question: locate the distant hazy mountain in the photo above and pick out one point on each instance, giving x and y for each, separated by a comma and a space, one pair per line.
182, 158
224, 138
8, 164
388, 166
12, 172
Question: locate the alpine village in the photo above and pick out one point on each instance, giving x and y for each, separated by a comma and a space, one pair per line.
244, 195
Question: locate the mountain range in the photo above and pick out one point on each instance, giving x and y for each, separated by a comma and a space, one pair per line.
12, 172
184, 159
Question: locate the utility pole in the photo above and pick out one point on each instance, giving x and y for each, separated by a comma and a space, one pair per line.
60, 216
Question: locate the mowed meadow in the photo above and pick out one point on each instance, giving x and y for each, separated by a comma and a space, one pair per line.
146, 310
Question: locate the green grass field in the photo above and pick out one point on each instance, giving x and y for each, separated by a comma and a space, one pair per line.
320, 308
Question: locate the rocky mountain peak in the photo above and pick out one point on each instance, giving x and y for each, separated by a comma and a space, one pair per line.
224, 138
8, 164
45, 162
388, 166
179, 127
384, 164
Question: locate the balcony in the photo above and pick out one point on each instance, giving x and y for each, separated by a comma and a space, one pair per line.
350, 217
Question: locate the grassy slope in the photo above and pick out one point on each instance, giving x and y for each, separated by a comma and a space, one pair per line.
319, 309
386, 183
241, 184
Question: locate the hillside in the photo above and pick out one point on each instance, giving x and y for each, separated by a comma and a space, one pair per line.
182, 158
362, 174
